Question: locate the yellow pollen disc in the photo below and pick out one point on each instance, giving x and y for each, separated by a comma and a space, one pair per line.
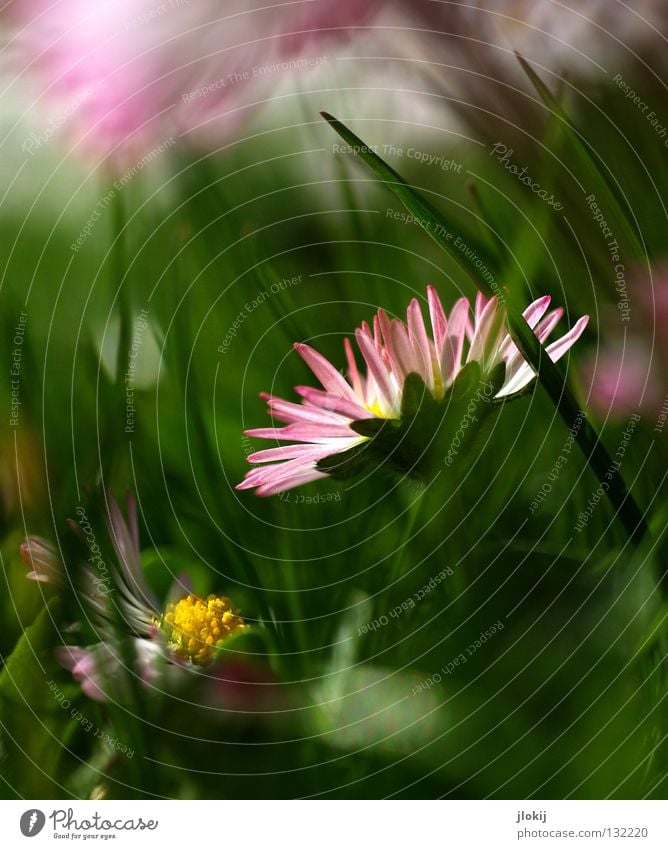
375, 409
197, 627
439, 389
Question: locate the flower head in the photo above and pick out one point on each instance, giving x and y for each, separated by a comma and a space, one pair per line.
188, 633
198, 627
346, 413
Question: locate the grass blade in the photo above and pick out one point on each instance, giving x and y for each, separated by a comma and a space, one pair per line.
588, 162
441, 230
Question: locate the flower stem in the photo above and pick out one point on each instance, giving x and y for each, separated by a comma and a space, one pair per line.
118, 266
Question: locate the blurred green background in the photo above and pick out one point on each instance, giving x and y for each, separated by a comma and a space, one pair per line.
566, 699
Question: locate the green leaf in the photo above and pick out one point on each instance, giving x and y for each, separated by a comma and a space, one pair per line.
489, 232
34, 728
17, 680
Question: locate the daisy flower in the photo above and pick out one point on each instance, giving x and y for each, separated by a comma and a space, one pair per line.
346, 413
187, 633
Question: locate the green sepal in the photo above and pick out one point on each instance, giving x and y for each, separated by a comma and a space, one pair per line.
418, 442
416, 398
496, 378
369, 427
347, 464
465, 383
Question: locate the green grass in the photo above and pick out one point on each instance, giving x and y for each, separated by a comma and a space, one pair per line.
567, 699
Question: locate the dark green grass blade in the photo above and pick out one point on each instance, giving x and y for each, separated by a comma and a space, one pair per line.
587, 161
442, 231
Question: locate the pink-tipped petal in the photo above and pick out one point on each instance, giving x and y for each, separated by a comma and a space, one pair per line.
485, 334
83, 665
123, 540
547, 325
511, 353
518, 381
289, 412
130, 581
332, 403
439, 323
275, 474
519, 373
353, 371
422, 347
318, 433
40, 577
557, 349
535, 311
403, 353
297, 479
377, 368
393, 359
377, 334
480, 304
304, 432
453, 343
303, 451
328, 376
42, 558
101, 670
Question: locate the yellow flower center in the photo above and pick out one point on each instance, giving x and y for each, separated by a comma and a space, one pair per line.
375, 409
439, 388
197, 628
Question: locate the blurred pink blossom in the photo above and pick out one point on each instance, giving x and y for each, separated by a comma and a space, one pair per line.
127, 75
467, 50
559, 34
42, 559
630, 370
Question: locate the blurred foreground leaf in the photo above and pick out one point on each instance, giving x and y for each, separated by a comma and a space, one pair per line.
34, 727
